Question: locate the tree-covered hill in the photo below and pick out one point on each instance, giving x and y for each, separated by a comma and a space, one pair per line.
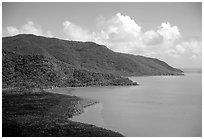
30, 71
39, 61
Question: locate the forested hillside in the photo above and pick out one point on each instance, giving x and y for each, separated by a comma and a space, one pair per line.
30, 60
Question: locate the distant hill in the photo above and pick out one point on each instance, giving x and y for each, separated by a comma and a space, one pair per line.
42, 61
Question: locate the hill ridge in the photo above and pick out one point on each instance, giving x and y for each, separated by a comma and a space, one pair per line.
96, 64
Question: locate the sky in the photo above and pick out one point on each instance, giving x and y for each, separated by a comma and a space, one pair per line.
169, 31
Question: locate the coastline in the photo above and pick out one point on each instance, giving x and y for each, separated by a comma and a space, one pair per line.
68, 105
45, 114
150, 83
94, 114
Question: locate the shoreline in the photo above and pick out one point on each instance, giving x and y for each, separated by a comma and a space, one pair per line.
86, 106
129, 77
45, 114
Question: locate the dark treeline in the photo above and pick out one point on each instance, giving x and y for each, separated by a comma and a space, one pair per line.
32, 71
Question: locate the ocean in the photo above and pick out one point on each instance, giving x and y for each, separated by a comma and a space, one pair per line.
160, 106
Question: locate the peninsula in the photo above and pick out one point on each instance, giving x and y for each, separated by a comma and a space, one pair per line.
32, 63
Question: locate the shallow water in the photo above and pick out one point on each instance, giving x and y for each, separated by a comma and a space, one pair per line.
159, 106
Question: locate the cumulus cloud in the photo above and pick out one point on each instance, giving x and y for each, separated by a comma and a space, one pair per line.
169, 33
126, 24
28, 28
75, 32
121, 33
151, 38
180, 48
192, 47
12, 30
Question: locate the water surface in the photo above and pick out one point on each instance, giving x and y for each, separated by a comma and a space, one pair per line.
159, 106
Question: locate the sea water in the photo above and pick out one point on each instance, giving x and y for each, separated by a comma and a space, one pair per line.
165, 106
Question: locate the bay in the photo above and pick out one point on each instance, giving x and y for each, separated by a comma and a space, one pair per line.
161, 106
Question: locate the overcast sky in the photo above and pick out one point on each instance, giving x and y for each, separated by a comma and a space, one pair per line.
168, 31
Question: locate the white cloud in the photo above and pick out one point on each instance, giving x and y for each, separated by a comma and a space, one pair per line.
12, 30
121, 33
169, 33
192, 47
74, 32
151, 37
29, 28
127, 24
180, 48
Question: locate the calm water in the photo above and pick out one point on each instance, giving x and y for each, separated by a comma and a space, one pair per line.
159, 106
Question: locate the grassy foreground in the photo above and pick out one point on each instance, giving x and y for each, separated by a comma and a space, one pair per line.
43, 114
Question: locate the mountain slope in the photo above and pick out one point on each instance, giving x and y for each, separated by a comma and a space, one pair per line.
30, 71
54, 62
87, 55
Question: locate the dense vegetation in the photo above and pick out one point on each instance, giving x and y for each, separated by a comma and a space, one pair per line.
31, 71
36, 61
30, 63
42, 114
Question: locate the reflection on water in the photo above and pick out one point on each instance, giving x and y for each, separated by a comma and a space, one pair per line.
159, 106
